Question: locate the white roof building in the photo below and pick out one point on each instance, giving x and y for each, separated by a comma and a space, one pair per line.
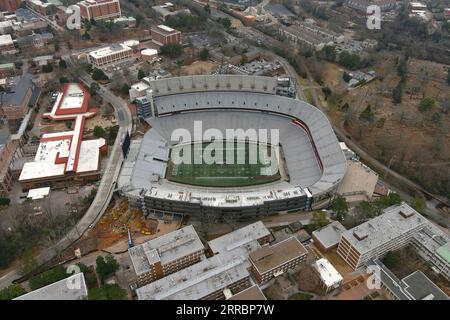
329, 276
107, 51
71, 288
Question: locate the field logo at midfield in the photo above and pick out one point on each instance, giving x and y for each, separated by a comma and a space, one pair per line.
234, 140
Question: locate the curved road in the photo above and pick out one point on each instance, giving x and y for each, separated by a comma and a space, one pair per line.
104, 191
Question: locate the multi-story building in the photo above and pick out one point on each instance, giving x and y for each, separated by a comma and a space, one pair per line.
163, 35
433, 246
145, 107
416, 286
100, 9
38, 40
7, 45
331, 279
44, 8
269, 262
389, 231
64, 156
9, 5
6, 26
71, 288
7, 70
115, 53
206, 280
165, 255
16, 103
243, 237
328, 237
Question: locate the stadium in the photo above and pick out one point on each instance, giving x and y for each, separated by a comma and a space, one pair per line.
307, 162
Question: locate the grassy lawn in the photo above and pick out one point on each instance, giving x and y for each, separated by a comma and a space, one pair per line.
239, 171
301, 296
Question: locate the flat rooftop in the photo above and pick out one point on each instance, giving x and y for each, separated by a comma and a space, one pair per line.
420, 287
165, 29
45, 166
416, 286
238, 238
197, 281
73, 98
71, 288
329, 235
106, 51
252, 293
327, 272
5, 39
270, 257
392, 223
164, 249
435, 240
61, 152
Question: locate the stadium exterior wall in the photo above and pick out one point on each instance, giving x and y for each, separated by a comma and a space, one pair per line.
305, 200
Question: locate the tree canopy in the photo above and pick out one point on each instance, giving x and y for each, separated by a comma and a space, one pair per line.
48, 277
107, 292
11, 292
185, 22
367, 115
349, 60
106, 266
99, 132
93, 89
419, 204
172, 50
340, 207
204, 54
426, 104
98, 74
141, 74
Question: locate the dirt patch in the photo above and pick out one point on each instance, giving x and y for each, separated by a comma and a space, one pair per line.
199, 67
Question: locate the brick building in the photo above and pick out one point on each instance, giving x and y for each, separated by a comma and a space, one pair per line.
7, 45
100, 9
328, 237
165, 255
16, 104
269, 262
163, 35
9, 5
115, 53
65, 157
7, 70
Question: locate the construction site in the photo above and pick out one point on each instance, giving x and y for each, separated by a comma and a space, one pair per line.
112, 229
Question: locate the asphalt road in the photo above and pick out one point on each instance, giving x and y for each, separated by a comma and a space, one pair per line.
105, 189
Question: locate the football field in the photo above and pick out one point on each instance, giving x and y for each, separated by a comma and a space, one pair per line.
244, 165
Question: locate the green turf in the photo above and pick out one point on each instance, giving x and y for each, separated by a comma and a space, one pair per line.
218, 174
